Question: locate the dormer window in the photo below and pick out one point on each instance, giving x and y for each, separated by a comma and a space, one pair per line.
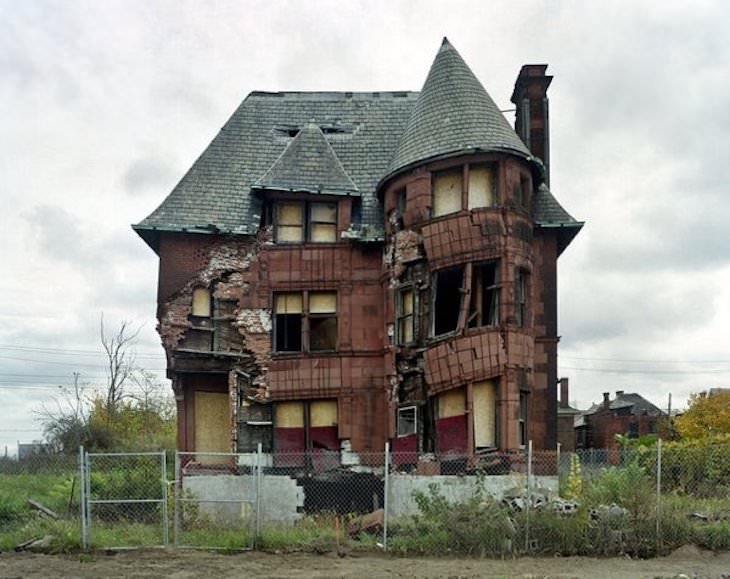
297, 221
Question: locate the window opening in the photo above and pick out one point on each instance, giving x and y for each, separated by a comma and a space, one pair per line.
523, 419
481, 186
323, 222
525, 191
521, 297
407, 421
447, 302
484, 302
405, 316
289, 222
322, 321
447, 187
296, 222
201, 302
288, 315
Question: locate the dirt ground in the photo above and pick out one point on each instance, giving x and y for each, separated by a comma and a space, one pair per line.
687, 562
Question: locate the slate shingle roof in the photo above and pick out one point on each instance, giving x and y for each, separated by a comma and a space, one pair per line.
453, 114
308, 164
368, 136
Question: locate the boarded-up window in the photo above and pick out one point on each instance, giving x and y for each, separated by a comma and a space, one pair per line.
212, 424
451, 427
484, 297
322, 321
289, 222
201, 302
447, 301
481, 186
288, 322
405, 316
306, 425
323, 222
447, 192
485, 414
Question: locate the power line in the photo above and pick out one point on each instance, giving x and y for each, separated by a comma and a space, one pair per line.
75, 364
72, 352
647, 361
646, 371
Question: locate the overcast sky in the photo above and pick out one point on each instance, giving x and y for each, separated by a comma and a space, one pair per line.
104, 106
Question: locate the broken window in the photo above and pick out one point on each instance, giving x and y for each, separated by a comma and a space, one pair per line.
522, 419
407, 421
322, 321
297, 329
481, 186
447, 187
521, 287
447, 301
484, 299
201, 302
405, 316
299, 426
288, 318
319, 226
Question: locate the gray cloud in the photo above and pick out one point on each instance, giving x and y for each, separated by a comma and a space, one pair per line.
149, 175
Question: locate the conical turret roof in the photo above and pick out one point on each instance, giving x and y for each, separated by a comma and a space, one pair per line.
453, 114
308, 163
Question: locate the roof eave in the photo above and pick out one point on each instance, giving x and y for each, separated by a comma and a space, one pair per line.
566, 232
322, 191
456, 153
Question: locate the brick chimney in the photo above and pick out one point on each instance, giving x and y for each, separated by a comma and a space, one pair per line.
564, 393
532, 119
619, 393
606, 400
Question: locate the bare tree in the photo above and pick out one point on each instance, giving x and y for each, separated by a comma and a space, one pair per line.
120, 361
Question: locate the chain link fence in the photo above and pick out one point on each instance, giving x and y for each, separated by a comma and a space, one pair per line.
640, 501
125, 502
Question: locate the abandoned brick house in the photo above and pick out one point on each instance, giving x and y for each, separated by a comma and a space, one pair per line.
627, 414
340, 269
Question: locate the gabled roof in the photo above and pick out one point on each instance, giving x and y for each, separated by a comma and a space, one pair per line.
453, 114
636, 402
308, 164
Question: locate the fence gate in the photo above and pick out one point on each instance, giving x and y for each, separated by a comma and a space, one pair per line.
216, 500
124, 500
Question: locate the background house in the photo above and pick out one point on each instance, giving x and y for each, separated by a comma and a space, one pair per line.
627, 414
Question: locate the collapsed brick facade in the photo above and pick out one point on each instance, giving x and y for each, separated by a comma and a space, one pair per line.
364, 274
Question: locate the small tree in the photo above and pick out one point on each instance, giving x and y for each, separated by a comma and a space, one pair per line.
707, 418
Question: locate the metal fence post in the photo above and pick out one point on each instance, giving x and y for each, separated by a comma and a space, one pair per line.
386, 492
82, 498
658, 492
258, 479
165, 521
87, 496
529, 495
177, 485
557, 460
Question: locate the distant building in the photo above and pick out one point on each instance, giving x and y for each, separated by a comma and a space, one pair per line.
631, 415
566, 419
35, 448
